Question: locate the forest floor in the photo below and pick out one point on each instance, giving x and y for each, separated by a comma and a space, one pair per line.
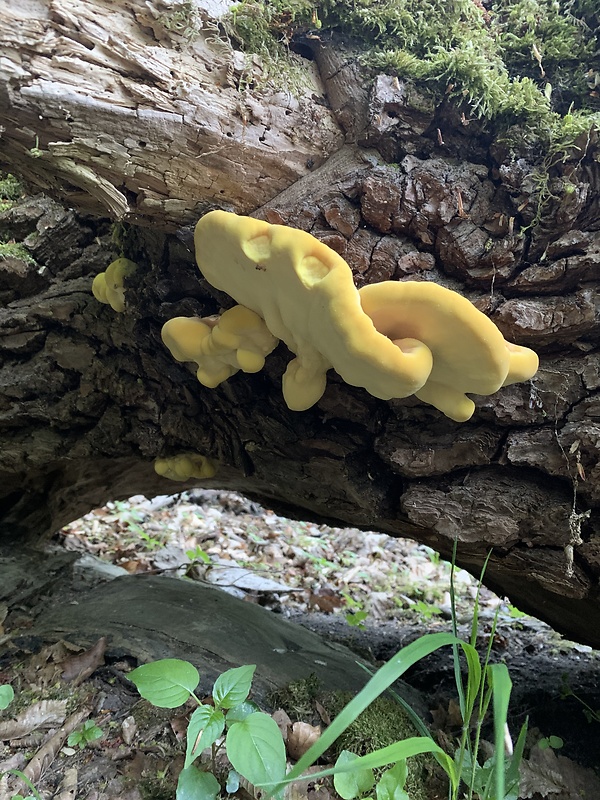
372, 593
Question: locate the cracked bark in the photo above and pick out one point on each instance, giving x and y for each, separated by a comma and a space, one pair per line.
136, 126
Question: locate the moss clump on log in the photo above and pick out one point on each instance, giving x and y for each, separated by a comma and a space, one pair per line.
521, 60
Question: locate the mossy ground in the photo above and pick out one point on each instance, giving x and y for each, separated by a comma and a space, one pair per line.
380, 724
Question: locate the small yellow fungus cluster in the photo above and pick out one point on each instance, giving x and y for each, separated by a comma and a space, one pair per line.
185, 466
107, 287
220, 346
393, 339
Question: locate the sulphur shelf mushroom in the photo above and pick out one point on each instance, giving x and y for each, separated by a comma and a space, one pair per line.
393, 339
469, 352
107, 287
220, 346
184, 466
304, 292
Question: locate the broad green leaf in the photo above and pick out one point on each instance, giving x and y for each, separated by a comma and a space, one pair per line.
193, 784
391, 784
205, 727
232, 687
238, 713
7, 694
352, 784
167, 683
383, 678
256, 750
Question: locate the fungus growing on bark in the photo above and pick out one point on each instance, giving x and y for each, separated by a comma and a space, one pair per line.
305, 293
393, 339
469, 352
220, 346
107, 287
185, 466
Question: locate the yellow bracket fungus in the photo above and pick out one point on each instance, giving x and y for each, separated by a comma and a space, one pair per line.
107, 287
305, 293
469, 352
393, 339
185, 466
220, 346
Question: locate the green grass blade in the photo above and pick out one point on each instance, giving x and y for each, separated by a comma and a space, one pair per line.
513, 771
456, 659
398, 751
407, 708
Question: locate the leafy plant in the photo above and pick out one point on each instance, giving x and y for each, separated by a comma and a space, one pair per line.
256, 750
253, 742
591, 714
89, 732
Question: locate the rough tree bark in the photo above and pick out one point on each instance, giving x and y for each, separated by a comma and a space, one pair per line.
117, 115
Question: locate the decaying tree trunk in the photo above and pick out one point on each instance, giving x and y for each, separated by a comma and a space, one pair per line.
111, 111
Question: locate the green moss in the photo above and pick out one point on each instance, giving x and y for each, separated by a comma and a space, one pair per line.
381, 724
10, 191
298, 698
183, 19
13, 249
522, 60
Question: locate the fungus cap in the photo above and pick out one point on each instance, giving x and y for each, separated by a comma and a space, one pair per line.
305, 293
220, 346
470, 354
184, 466
107, 287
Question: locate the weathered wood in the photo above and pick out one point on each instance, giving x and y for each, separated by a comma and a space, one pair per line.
110, 107
90, 398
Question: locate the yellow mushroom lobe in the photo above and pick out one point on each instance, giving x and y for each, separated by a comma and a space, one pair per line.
184, 466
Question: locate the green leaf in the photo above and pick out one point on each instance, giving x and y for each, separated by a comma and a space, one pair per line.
206, 725
232, 687
7, 694
238, 713
233, 782
193, 784
357, 618
167, 683
352, 784
391, 783
256, 750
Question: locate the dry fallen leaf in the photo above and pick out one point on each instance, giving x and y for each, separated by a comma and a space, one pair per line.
128, 729
284, 723
77, 668
545, 773
68, 787
325, 600
300, 738
41, 760
44, 714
